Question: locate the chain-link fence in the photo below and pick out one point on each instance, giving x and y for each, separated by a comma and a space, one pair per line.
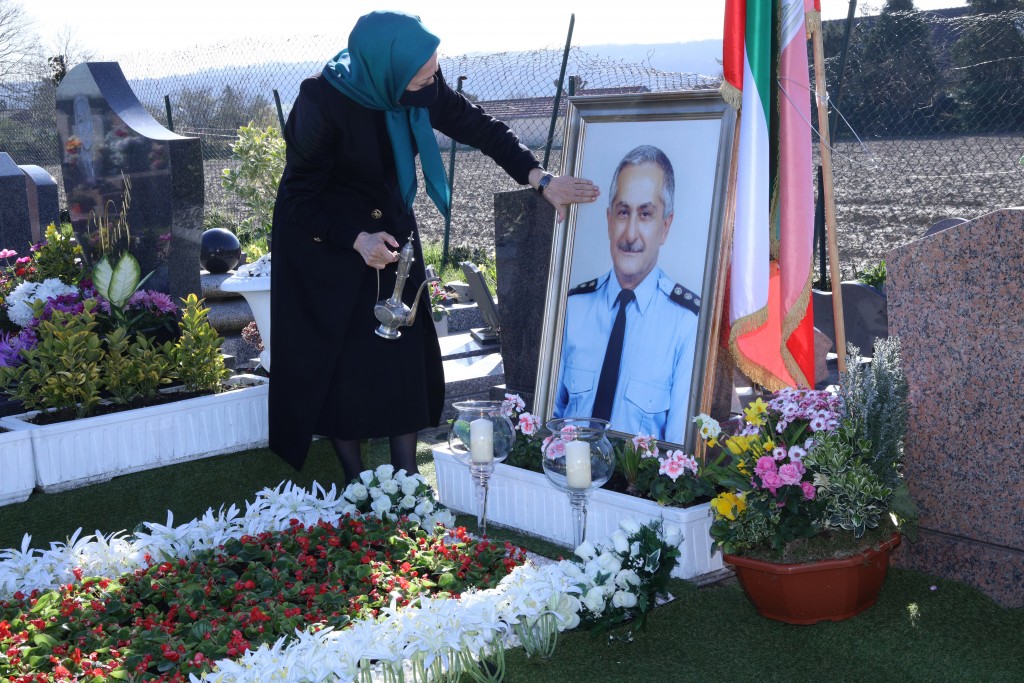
936, 100
934, 123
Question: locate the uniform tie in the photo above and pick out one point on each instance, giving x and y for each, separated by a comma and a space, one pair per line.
612, 357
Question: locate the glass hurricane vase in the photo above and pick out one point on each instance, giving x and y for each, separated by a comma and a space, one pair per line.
481, 435
578, 458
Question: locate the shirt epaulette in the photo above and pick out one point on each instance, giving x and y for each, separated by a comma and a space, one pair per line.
685, 298
584, 288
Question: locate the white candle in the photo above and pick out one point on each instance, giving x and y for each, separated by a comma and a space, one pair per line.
577, 464
481, 440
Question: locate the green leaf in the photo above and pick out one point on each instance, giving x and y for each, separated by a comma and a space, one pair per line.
124, 280
119, 674
102, 272
43, 639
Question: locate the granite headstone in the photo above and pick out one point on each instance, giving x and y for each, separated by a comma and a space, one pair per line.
15, 221
43, 203
864, 316
484, 302
523, 228
954, 302
110, 141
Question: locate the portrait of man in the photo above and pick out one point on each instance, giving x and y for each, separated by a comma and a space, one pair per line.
628, 348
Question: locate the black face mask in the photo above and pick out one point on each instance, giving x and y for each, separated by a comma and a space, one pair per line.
424, 97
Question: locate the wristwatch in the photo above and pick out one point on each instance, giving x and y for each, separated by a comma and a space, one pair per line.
544, 182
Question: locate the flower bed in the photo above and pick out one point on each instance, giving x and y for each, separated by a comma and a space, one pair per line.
105, 578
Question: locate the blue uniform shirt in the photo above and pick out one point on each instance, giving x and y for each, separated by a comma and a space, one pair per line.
653, 391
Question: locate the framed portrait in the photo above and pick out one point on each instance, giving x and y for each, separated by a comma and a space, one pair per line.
635, 280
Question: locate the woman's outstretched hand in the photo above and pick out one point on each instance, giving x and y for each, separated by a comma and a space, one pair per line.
565, 190
373, 247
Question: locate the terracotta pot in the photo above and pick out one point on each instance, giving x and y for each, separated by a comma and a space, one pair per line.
830, 590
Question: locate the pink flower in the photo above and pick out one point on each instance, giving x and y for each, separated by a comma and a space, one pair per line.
646, 445
7, 253
676, 463
771, 481
24, 259
779, 453
553, 448
809, 491
516, 401
528, 424
788, 474
765, 464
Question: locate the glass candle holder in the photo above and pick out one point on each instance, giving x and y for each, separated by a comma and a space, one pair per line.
481, 435
578, 458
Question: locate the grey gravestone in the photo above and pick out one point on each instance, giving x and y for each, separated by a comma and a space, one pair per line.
865, 316
485, 304
106, 135
15, 222
944, 224
43, 207
523, 227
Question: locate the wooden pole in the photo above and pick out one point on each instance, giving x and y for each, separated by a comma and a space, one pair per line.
829, 191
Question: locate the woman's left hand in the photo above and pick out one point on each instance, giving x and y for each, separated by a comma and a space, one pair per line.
565, 190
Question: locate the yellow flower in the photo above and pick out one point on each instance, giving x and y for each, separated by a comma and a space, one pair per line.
755, 412
768, 446
742, 467
729, 505
738, 444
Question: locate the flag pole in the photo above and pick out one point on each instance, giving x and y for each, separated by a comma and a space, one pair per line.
829, 188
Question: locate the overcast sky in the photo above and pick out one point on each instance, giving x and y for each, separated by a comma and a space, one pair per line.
113, 28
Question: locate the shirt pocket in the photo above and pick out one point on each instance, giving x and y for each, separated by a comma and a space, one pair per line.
648, 397
579, 380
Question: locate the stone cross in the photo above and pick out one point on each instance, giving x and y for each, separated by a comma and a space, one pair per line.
110, 142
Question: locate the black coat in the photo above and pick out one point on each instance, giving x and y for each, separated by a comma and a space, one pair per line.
340, 180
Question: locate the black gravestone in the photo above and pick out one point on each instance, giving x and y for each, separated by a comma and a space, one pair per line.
43, 207
15, 222
523, 227
865, 316
107, 136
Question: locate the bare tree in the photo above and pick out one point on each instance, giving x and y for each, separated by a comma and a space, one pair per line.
18, 41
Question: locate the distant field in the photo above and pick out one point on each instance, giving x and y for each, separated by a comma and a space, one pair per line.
888, 192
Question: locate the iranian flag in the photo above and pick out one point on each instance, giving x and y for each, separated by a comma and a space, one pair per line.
771, 323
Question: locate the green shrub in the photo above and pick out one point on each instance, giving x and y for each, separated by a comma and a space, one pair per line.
134, 368
63, 370
260, 155
60, 255
196, 355
874, 276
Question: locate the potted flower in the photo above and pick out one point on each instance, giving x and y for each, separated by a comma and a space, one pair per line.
673, 488
439, 308
814, 498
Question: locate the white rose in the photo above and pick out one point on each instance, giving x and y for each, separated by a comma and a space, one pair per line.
366, 476
356, 492
594, 600
627, 578
623, 599
407, 503
620, 542
610, 563
389, 486
673, 534
409, 486
385, 472
381, 506
629, 525
443, 517
571, 570
376, 493
586, 550
424, 508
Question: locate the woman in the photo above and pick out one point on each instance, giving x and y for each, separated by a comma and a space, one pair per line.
344, 208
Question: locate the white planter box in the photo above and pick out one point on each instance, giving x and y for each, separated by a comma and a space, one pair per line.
17, 467
528, 501
94, 449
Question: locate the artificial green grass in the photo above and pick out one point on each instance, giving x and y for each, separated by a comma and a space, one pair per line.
913, 634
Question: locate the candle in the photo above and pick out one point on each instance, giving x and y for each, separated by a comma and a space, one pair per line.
481, 440
577, 464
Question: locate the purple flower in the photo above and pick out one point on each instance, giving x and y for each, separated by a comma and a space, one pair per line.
12, 344
809, 491
152, 300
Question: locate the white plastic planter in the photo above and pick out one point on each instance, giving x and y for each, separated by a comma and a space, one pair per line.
17, 468
526, 501
79, 452
256, 291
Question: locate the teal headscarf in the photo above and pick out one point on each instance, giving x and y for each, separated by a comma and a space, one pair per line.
385, 50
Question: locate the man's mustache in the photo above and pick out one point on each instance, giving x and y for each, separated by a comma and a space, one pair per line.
630, 246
